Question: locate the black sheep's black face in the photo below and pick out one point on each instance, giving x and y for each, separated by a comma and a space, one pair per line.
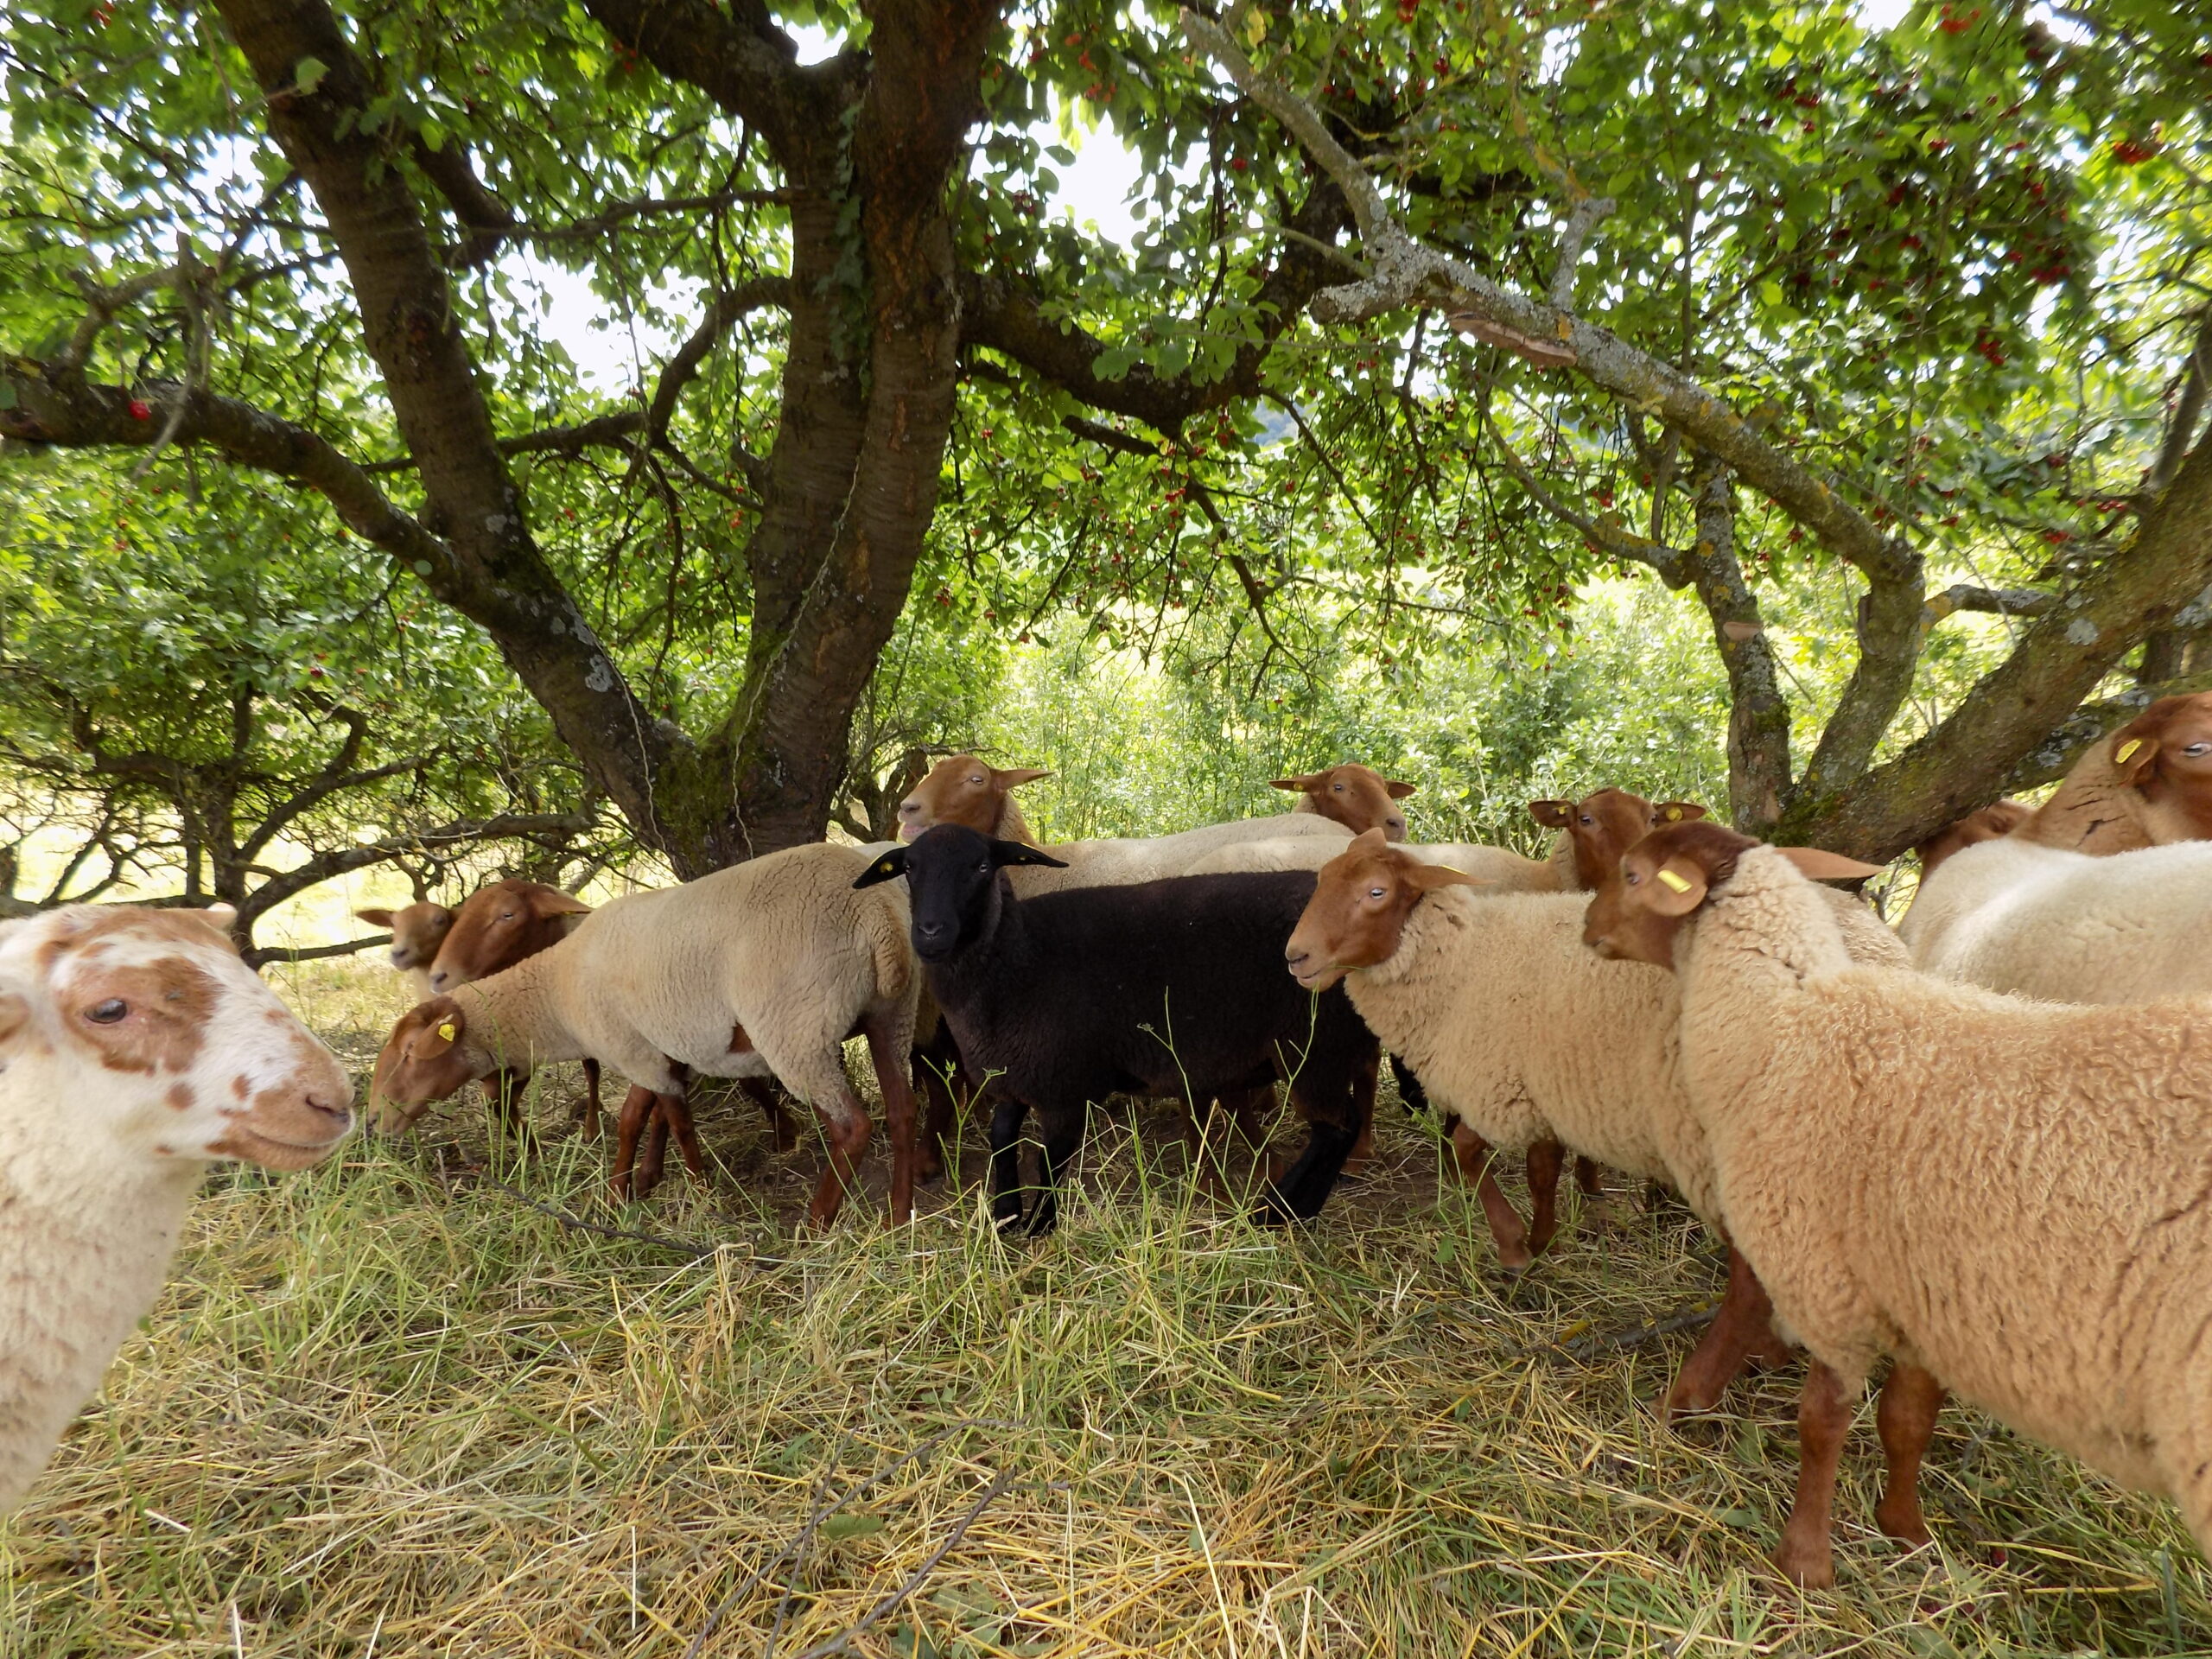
951, 872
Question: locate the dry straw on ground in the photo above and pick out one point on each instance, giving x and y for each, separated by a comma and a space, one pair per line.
391, 1409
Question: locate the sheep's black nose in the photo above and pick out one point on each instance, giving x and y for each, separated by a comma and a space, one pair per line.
929, 930
438, 978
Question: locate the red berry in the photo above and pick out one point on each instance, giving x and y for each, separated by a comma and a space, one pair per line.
141, 410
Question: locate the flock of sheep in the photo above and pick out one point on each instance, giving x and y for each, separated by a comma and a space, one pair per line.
1921, 1144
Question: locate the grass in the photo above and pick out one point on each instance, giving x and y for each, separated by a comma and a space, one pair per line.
388, 1407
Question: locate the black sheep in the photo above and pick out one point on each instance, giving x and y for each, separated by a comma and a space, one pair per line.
1174, 987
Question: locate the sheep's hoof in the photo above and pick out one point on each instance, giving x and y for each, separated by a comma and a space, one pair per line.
1904, 1523
1809, 1568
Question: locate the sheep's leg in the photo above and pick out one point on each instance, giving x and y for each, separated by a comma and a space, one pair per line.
637, 1106
761, 1091
1587, 1178
1744, 1326
940, 1078
1251, 1109
1005, 1162
938, 1121
846, 1128
889, 1055
674, 1112
1063, 1138
1544, 1158
1823, 1418
652, 1159
503, 1093
1906, 1416
588, 1111
1411, 1095
1331, 1134
1473, 1155
1362, 1152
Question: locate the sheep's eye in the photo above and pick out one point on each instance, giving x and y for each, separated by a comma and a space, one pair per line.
2198, 748
107, 1013
983, 869
1587, 818
1374, 893
1337, 788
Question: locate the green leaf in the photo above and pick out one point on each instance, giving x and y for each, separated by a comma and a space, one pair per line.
307, 74
838, 1527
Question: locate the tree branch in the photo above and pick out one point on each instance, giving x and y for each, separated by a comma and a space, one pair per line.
51, 405
1408, 273
1759, 715
1009, 318
1994, 601
1586, 216
485, 220
2181, 430
1674, 564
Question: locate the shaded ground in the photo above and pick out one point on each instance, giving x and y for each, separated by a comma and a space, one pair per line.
389, 1407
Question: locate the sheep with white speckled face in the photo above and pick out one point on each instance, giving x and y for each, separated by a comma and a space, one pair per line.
135, 1049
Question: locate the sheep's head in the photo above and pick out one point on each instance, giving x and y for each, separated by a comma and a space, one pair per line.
190, 1055
431, 1054
417, 930
499, 925
1361, 899
1992, 823
1359, 797
952, 884
1601, 827
1661, 882
2166, 752
961, 790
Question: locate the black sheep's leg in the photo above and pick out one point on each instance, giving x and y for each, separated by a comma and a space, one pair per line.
1006, 1161
1411, 1095
1063, 1137
1301, 1190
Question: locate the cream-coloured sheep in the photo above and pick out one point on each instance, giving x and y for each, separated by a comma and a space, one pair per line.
417, 932
962, 790
762, 969
1524, 1040
2010, 915
1504, 870
135, 1049
2007, 1198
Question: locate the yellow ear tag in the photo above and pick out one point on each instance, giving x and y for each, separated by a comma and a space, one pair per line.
1673, 881
885, 867
447, 1031
2126, 749
1673, 815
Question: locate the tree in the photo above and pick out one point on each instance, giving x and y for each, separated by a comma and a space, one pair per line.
1841, 277
205, 688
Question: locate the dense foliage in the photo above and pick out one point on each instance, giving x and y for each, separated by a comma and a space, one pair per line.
1952, 272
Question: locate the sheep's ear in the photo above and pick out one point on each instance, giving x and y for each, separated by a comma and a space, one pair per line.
377, 916
1676, 812
1817, 866
217, 918
889, 866
1302, 785
1004, 852
1429, 877
1014, 777
2133, 757
1370, 840
1676, 888
559, 903
443, 1027
1396, 790
1553, 815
